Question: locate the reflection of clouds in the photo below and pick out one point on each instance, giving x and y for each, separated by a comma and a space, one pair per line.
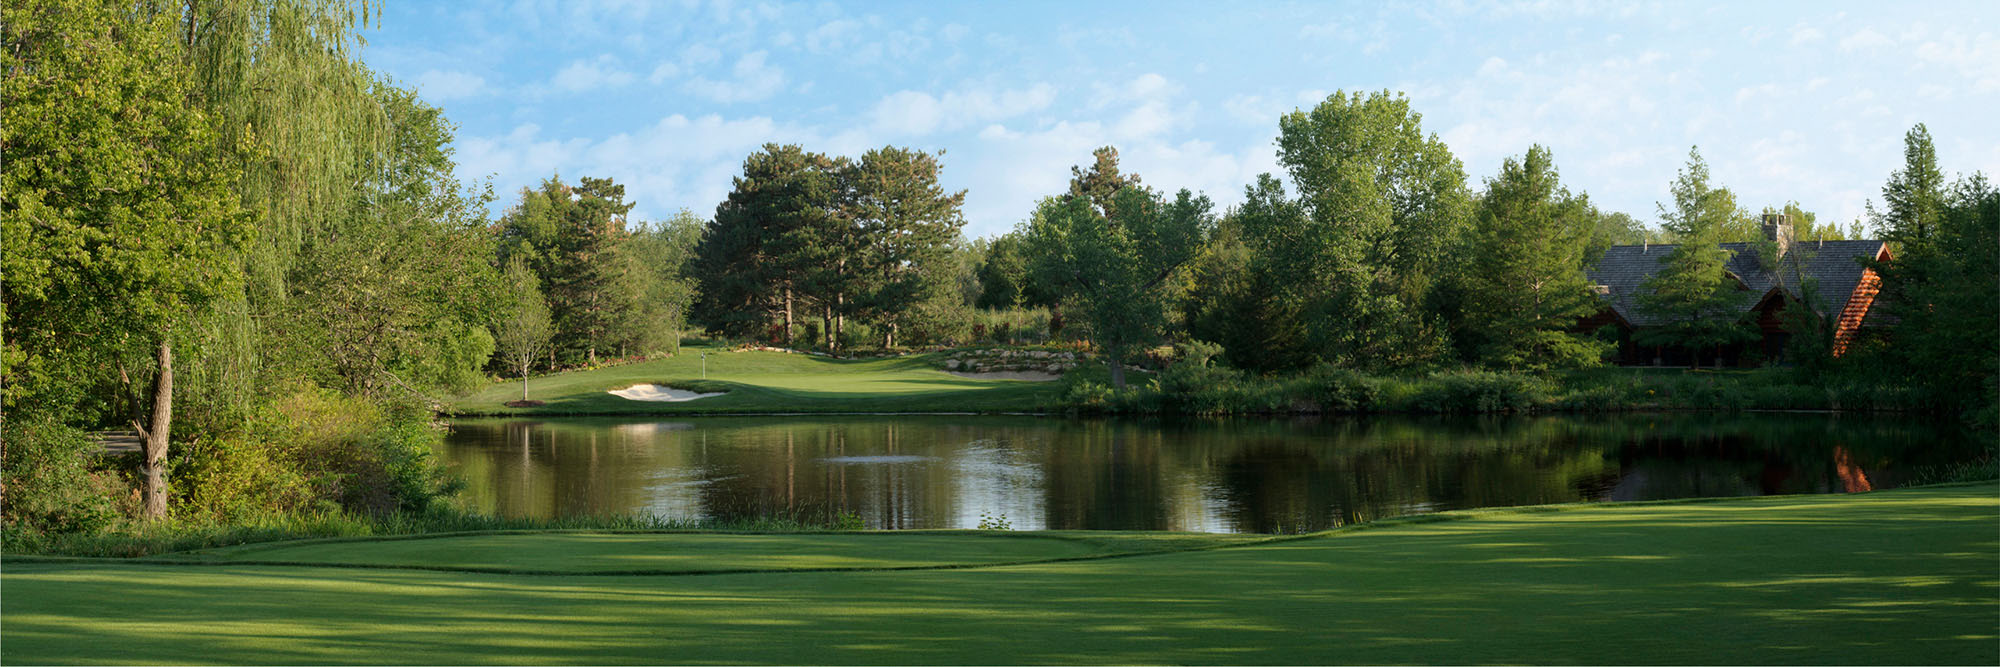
650, 428
996, 478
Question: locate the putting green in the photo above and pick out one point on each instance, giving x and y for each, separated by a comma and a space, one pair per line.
765, 382
1888, 577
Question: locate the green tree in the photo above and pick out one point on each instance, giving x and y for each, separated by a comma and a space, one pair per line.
1115, 269
1525, 287
572, 237
119, 219
1942, 286
1101, 184
1385, 206
370, 313
526, 329
907, 227
298, 121
1237, 297
1698, 301
662, 256
766, 235
1613, 228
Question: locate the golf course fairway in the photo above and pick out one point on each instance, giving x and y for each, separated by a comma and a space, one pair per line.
1906, 576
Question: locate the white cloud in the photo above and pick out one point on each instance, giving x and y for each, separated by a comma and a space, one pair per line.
751, 80
1865, 39
1974, 58
676, 162
1803, 35
586, 75
663, 73
835, 35
441, 86
916, 113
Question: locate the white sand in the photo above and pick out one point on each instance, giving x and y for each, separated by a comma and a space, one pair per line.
1031, 376
654, 392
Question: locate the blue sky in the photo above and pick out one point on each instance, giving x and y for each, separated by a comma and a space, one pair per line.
1799, 102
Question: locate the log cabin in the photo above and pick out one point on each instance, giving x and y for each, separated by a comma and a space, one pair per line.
1843, 287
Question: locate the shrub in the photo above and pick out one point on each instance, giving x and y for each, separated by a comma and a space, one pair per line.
1479, 392
1342, 389
51, 487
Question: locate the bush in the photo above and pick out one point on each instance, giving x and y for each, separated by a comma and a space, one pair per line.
1342, 389
1479, 392
51, 486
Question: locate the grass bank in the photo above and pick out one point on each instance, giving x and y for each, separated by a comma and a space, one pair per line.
765, 382
1889, 577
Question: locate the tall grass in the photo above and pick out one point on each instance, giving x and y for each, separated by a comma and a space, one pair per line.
1190, 389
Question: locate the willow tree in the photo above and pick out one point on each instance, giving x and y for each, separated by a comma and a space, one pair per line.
284, 81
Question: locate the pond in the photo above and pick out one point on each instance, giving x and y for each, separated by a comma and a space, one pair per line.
1259, 476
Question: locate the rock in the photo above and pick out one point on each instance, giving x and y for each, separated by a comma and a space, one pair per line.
951, 364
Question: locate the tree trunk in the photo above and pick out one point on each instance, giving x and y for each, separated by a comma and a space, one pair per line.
839, 321
889, 336
524, 381
788, 317
155, 467
1117, 372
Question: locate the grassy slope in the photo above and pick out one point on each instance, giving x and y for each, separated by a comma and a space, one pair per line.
1889, 577
767, 382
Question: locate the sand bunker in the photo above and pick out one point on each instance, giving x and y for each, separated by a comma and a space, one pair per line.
654, 392
1031, 376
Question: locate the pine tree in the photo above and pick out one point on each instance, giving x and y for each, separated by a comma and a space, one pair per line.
1699, 303
1525, 284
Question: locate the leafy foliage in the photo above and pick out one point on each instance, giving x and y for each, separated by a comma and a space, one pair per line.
1115, 269
1524, 280
1694, 294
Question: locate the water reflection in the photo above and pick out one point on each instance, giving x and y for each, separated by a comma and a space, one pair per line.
1218, 476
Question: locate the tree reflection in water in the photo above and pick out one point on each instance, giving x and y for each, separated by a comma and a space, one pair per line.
1223, 475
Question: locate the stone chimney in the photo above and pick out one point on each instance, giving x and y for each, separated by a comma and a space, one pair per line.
1778, 230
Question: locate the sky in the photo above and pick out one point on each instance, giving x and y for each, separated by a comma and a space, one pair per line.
1805, 102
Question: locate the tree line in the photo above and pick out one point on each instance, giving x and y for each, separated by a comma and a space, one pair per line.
225, 233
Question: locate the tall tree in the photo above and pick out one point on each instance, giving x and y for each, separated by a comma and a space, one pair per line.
1385, 206
297, 118
1114, 270
1100, 185
1237, 299
118, 214
572, 237
662, 255
767, 233
372, 314
908, 226
1525, 287
1941, 285
1697, 300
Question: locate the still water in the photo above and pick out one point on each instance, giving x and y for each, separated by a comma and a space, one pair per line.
1214, 476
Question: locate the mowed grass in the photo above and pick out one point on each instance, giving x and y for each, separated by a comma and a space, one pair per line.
1909, 576
765, 382
598, 552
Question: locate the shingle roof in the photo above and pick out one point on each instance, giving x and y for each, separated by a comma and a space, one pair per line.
1835, 265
